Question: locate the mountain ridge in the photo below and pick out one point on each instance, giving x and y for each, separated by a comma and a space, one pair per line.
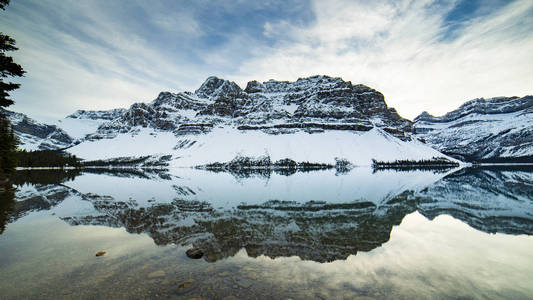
482, 130
218, 101
312, 111
36, 135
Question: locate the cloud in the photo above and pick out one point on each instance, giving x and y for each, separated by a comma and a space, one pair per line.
101, 54
423, 55
78, 60
398, 48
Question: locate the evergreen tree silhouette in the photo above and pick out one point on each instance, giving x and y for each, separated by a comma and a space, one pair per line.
8, 68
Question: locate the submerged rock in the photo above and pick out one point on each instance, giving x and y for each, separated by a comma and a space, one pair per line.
157, 274
185, 286
245, 283
195, 253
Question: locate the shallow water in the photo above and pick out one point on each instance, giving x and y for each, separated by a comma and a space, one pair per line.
310, 235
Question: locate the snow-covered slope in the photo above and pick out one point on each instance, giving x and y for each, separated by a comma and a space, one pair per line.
224, 144
83, 122
62, 133
495, 129
33, 135
313, 119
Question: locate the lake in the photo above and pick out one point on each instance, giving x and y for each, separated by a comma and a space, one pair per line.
359, 234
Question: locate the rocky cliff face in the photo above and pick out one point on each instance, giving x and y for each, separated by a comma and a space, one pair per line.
272, 107
97, 114
491, 130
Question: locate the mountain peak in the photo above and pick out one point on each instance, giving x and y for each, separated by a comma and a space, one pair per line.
319, 78
424, 116
214, 87
254, 86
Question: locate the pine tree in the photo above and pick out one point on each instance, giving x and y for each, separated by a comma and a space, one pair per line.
8, 147
3, 4
8, 68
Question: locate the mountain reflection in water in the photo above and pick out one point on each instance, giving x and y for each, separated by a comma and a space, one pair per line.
320, 216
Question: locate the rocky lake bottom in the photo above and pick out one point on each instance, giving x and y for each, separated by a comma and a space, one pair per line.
364, 234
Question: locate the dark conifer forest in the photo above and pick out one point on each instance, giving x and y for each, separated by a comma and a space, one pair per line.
8, 69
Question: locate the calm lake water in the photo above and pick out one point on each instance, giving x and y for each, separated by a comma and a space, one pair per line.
464, 234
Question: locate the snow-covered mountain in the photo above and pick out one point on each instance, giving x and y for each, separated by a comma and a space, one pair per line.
495, 129
33, 135
63, 133
314, 119
273, 107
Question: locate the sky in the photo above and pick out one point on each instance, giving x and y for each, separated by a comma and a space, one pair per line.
422, 55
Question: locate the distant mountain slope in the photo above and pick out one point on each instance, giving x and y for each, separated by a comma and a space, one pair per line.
491, 130
63, 133
34, 135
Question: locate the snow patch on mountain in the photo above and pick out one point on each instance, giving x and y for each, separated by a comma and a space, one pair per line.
143, 142
83, 122
78, 128
224, 144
